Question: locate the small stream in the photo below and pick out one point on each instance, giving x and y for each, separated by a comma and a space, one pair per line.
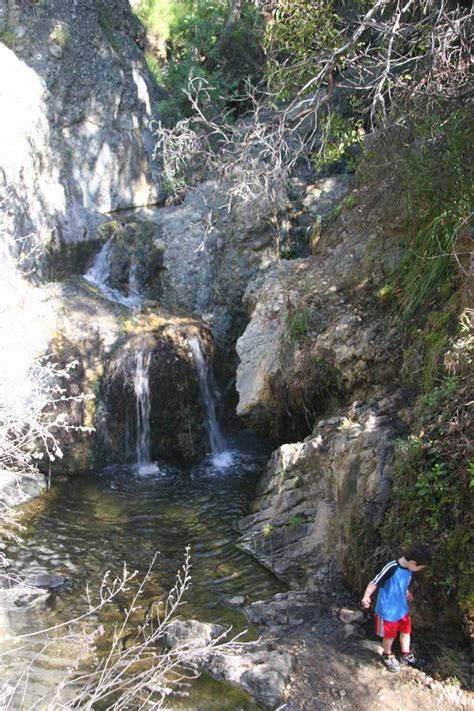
88, 525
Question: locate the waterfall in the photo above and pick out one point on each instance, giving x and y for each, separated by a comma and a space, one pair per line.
142, 392
221, 458
99, 274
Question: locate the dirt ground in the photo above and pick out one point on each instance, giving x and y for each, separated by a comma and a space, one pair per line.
338, 666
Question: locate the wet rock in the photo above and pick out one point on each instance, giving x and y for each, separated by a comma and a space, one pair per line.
235, 601
55, 51
351, 616
21, 595
17, 488
191, 633
47, 581
283, 610
174, 395
263, 673
210, 255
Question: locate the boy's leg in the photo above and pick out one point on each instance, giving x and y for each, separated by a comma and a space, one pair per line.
407, 657
388, 659
405, 642
387, 645
388, 631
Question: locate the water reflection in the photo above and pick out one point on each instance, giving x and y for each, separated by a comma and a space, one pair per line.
93, 524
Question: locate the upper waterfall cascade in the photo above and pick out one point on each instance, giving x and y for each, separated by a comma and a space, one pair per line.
99, 274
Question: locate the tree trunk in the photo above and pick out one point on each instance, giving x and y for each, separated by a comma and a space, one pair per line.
232, 19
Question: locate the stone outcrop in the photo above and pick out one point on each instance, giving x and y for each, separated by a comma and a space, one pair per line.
317, 337
105, 340
308, 346
74, 323
75, 107
314, 491
210, 256
260, 669
177, 419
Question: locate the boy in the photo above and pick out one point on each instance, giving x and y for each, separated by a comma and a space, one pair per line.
393, 599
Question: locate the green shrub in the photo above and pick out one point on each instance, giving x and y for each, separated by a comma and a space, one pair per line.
302, 30
340, 134
7, 37
159, 15
295, 521
298, 324
436, 183
60, 34
191, 30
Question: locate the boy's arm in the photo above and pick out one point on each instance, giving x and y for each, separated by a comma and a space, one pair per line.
379, 580
371, 587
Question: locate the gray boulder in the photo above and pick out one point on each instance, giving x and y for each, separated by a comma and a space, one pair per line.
191, 633
263, 673
259, 669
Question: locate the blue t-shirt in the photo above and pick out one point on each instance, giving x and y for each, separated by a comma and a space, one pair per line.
392, 583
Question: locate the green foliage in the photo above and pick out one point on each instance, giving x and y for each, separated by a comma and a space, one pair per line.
268, 530
432, 482
431, 489
346, 424
435, 397
351, 201
295, 521
424, 356
60, 34
302, 29
191, 29
155, 68
340, 134
7, 37
437, 181
298, 324
387, 293
159, 15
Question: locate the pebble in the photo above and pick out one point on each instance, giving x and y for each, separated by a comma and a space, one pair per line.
55, 51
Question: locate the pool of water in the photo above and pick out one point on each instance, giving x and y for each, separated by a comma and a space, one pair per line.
88, 525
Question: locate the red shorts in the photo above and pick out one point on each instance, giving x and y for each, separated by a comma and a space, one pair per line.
391, 629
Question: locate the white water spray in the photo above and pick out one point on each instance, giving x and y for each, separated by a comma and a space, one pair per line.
142, 391
221, 456
99, 274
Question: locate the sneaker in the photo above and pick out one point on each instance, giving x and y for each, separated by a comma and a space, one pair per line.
410, 660
390, 662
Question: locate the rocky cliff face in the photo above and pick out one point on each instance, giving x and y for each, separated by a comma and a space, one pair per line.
319, 366
312, 493
317, 337
75, 106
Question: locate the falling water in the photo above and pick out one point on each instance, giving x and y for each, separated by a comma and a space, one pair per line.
222, 458
99, 274
142, 392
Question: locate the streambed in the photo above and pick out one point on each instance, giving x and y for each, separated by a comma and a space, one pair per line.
88, 525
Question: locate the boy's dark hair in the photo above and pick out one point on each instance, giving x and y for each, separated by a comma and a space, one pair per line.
420, 553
